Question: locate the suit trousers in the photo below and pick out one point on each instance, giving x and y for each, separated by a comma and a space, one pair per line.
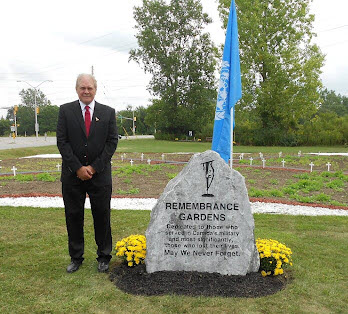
74, 197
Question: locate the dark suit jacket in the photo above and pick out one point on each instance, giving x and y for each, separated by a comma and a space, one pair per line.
77, 150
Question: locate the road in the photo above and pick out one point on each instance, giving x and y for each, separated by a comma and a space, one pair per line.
20, 142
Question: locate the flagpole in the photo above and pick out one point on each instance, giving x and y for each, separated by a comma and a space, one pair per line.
232, 119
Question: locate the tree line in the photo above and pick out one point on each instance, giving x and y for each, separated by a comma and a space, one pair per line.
25, 114
328, 126
283, 102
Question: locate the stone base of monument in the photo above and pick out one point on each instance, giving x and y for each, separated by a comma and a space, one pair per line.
135, 280
200, 239
203, 222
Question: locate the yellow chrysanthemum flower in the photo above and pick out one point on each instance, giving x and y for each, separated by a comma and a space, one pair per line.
132, 249
273, 256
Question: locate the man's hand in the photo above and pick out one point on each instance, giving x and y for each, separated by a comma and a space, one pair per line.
91, 170
85, 173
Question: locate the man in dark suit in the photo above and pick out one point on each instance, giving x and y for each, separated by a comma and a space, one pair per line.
87, 138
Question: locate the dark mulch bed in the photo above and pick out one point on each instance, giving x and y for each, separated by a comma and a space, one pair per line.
135, 280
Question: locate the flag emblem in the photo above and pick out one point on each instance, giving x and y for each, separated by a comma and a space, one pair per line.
223, 91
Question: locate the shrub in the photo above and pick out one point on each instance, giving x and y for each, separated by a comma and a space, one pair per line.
171, 175
132, 249
256, 192
45, 177
24, 177
130, 191
167, 137
336, 185
276, 193
322, 198
274, 181
273, 257
289, 190
133, 191
302, 199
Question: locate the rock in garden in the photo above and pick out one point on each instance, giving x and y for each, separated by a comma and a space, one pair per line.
203, 222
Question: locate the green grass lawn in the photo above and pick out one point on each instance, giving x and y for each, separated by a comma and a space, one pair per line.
33, 251
155, 146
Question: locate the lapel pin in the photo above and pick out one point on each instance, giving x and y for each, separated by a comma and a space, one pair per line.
96, 119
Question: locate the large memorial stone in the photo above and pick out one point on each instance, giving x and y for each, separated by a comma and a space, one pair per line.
203, 221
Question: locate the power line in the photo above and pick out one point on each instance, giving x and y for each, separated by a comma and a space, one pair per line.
57, 66
332, 29
335, 44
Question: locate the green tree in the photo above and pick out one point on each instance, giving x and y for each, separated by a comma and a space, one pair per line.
4, 126
47, 117
125, 122
28, 98
280, 65
325, 128
181, 59
25, 120
331, 102
141, 126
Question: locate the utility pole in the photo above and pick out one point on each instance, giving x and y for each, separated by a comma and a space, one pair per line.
15, 108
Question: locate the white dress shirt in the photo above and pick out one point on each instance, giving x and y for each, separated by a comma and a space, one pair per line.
83, 108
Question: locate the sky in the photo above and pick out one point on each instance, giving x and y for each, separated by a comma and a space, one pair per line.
54, 41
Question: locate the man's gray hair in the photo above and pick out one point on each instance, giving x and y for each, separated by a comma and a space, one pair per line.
80, 76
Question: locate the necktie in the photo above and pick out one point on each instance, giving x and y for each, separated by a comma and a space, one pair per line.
87, 120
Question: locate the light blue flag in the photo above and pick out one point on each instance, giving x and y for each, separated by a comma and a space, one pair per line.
230, 88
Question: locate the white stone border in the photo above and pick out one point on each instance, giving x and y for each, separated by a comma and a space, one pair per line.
149, 203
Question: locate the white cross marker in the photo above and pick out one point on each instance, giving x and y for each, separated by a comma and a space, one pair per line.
263, 163
283, 162
240, 157
58, 167
14, 170
261, 155
280, 154
142, 156
122, 157
299, 153
311, 164
328, 166
251, 161
131, 162
162, 156
149, 161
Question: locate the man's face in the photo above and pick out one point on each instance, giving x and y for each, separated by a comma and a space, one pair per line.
86, 90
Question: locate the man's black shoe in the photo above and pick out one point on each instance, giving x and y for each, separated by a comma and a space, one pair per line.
103, 267
73, 267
